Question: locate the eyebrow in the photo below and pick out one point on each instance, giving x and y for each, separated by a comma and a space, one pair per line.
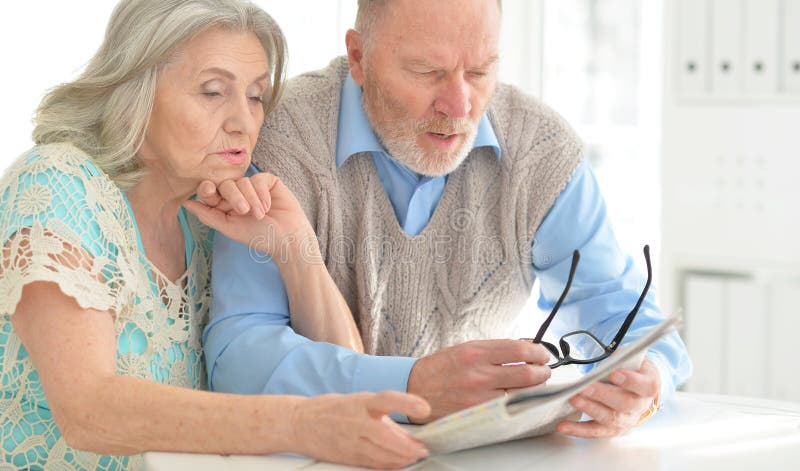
489, 62
229, 75
426, 64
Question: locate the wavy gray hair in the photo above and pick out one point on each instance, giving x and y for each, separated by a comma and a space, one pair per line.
106, 111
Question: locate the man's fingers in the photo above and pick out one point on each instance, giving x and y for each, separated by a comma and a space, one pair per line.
615, 397
588, 429
520, 376
501, 352
644, 382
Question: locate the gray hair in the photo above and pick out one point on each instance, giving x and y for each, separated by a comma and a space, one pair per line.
371, 11
106, 111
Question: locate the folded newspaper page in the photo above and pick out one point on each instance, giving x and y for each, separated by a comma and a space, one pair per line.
532, 411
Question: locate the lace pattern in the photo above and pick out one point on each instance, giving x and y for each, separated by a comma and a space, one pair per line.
63, 221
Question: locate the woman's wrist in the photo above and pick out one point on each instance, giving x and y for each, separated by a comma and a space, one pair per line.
297, 254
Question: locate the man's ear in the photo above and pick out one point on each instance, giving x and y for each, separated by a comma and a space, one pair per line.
355, 55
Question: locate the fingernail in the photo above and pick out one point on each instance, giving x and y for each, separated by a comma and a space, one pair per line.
259, 213
243, 207
423, 453
589, 392
617, 378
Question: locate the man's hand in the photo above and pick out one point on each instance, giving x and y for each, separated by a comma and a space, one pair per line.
470, 373
617, 407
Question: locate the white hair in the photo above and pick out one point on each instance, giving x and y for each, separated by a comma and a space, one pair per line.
371, 11
106, 111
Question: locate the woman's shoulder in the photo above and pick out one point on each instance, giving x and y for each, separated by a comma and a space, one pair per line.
61, 171
61, 157
59, 187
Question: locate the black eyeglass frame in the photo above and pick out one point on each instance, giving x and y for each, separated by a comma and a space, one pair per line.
563, 355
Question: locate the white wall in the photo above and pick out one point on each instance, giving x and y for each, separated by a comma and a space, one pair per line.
730, 190
46, 42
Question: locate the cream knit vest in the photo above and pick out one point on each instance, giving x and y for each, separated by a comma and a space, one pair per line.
468, 273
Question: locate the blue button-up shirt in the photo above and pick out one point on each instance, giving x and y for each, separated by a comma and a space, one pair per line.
251, 348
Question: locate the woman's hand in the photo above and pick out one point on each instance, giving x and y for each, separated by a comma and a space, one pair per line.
258, 211
354, 429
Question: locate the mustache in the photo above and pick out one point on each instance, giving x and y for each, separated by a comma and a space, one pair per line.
444, 125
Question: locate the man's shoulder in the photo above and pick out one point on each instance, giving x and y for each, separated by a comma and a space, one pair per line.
305, 119
316, 88
523, 122
512, 100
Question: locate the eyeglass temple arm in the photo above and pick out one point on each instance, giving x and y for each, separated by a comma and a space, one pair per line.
576, 256
629, 320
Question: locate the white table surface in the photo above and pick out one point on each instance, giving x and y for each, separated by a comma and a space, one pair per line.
691, 432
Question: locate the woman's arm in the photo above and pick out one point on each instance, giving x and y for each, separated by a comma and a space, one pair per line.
74, 352
269, 218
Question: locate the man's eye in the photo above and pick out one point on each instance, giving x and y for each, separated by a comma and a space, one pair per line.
259, 99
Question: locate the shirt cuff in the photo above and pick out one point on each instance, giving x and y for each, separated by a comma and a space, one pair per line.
376, 374
664, 373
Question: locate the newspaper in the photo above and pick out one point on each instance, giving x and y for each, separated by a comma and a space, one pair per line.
532, 411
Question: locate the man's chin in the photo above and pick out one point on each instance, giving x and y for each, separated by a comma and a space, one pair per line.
437, 165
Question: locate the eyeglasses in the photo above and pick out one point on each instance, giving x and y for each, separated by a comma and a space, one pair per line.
582, 347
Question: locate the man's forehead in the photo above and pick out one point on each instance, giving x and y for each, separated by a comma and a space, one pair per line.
476, 20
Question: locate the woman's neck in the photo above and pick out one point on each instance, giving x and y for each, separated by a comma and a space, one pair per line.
156, 204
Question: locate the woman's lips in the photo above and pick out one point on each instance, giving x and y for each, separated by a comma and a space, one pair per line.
236, 156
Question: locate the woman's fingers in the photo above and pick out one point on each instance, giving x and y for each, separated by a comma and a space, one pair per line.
245, 187
395, 441
207, 193
233, 195
263, 183
211, 217
394, 402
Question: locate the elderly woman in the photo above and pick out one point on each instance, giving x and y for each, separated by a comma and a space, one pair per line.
104, 276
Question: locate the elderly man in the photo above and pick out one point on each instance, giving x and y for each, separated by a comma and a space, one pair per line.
438, 197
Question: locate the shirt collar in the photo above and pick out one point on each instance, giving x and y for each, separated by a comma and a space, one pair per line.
355, 134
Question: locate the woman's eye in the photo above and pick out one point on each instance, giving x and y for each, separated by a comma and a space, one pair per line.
257, 99
212, 94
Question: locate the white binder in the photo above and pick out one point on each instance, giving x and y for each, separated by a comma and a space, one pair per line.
703, 303
745, 345
761, 46
790, 36
726, 46
692, 40
784, 329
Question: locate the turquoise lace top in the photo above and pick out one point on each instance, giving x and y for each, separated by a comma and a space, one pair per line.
64, 221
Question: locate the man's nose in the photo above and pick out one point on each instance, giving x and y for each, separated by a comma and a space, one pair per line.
454, 99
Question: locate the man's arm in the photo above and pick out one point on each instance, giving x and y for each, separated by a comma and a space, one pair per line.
607, 283
251, 348
606, 286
